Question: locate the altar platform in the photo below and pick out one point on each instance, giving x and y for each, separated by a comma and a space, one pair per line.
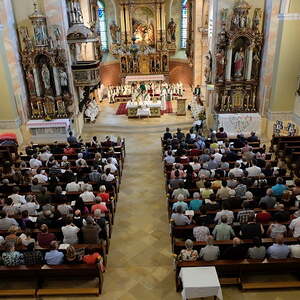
240, 123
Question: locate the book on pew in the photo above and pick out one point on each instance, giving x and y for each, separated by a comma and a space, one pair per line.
290, 182
32, 219
63, 246
189, 213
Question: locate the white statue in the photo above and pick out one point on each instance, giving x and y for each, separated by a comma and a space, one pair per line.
63, 78
46, 77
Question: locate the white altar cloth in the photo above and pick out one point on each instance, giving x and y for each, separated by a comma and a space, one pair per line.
200, 282
234, 124
134, 104
48, 124
143, 112
157, 77
49, 131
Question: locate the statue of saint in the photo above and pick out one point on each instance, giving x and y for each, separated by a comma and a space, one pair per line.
235, 21
46, 77
208, 67
39, 35
63, 77
30, 82
172, 31
239, 62
114, 32
256, 18
220, 61
255, 66
243, 20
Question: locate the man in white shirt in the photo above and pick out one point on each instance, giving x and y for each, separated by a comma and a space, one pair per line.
72, 187
217, 156
224, 212
295, 227
210, 252
110, 165
87, 196
31, 206
236, 171
15, 197
195, 164
253, 171
113, 160
41, 176
44, 155
35, 163
169, 159
70, 232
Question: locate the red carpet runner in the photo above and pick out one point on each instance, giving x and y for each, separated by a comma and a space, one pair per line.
122, 110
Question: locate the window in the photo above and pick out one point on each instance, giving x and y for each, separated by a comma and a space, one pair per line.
184, 23
102, 26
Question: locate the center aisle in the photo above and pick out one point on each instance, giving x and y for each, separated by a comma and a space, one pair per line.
140, 262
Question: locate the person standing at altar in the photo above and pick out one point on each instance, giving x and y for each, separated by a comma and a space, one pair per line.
163, 98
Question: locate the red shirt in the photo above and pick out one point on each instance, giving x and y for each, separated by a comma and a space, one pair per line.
263, 217
91, 258
45, 239
69, 151
104, 197
102, 207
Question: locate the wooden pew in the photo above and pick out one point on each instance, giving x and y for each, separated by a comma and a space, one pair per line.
236, 271
39, 275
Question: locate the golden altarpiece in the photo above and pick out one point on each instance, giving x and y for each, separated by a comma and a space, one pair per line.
238, 59
143, 41
44, 64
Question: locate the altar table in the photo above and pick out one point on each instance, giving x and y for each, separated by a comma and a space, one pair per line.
200, 282
49, 131
238, 123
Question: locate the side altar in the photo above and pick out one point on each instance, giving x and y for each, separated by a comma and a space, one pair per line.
238, 60
240, 123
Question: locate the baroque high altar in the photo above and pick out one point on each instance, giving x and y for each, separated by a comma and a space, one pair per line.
144, 40
238, 59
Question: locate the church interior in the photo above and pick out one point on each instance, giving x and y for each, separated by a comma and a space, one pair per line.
149, 149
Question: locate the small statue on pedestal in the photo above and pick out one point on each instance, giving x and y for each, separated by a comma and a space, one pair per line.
171, 31
114, 32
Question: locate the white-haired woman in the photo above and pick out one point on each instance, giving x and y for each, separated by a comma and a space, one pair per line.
188, 254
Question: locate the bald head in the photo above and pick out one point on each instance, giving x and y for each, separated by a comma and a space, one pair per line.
236, 241
210, 240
